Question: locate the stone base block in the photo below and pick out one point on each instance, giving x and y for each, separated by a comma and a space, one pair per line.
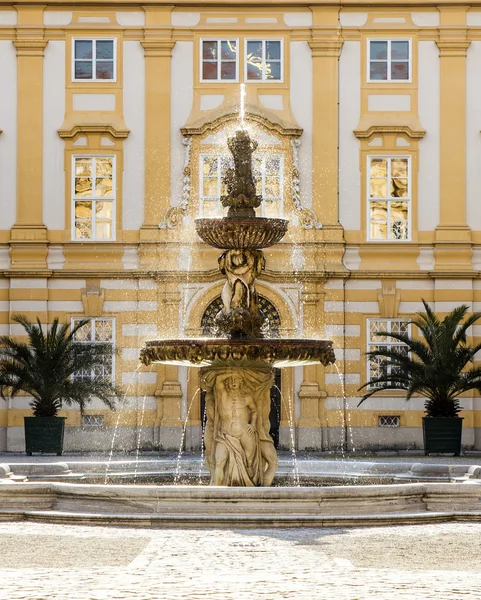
309, 438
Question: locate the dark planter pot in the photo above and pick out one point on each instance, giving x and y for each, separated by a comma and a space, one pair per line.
442, 435
44, 434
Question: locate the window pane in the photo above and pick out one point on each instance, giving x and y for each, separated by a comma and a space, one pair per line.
103, 210
378, 167
228, 50
104, 167
273, 70
399, 167
210, 187
399, 188
103, 187
83, 49
104, 70
271, 208
209, 70
83, 210
209, 50
83, 69
103, 330
254, 72
83, 230
273, 51
273, 166
399, 220
227, 70
104, 231
379, 220
273, 187
210, 166
83, 186
254, 50
400, 70
83, 167
378, 71
399, 50
211, 208
83, 334
105, 49
378, 188
378, 51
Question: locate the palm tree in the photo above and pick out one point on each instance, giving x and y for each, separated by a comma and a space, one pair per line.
436, 367
54, 370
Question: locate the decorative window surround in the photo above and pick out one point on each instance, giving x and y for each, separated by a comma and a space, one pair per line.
94, 59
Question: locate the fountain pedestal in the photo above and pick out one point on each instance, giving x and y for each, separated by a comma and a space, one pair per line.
239, 448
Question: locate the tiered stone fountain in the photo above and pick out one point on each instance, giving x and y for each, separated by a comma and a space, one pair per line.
237, 365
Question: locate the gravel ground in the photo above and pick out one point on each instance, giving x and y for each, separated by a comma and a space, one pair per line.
421, 562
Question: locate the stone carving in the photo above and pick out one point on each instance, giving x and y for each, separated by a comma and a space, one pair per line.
239, 449
241, 186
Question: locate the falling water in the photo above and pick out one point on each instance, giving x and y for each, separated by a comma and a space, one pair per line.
202, 451
242, 107
181, 445
346, 417
139, 435
290, 420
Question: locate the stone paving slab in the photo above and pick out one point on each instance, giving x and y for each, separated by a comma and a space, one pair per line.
399, 563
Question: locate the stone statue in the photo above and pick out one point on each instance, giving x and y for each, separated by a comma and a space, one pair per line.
241, 186
239, 449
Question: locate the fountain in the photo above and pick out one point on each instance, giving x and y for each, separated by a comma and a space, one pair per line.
237, 365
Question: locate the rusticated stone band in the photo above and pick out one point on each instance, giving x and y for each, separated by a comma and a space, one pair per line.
243, 352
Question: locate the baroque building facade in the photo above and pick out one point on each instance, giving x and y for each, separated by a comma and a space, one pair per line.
113, 126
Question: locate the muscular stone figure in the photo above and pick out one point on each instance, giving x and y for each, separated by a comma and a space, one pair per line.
237, 451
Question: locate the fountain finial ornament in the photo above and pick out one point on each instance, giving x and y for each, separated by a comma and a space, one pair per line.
241, 198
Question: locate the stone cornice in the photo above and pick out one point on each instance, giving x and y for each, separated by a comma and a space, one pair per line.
158, 42
415, 134
68, 134
30, 42
205, 127
326, 42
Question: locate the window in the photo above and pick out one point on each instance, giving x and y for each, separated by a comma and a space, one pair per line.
268, 169
89, 421
218, 60
389, 60
93, 198
93, 60
389, 421
389, 196
263, 60
381, 365
96, 331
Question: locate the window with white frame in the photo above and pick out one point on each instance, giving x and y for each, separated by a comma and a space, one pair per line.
218, 60
389, 421
97, 331
389, 198
263, 60
93, 60
389, 60
268, 170
380, 365
93, 192
89, 421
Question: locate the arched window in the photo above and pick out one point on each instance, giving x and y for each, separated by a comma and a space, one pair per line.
268, 309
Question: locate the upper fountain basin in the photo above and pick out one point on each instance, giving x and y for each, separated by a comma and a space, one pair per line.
248, 233
248, 352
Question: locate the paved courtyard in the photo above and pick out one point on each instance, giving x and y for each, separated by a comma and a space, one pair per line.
56, 562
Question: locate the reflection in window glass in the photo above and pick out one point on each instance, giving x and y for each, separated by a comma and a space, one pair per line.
389, 217
389, 60
93, 198
94, 60
219, 60
263, 60
379, 365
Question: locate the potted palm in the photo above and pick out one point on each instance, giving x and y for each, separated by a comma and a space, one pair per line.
54, 371
437, 366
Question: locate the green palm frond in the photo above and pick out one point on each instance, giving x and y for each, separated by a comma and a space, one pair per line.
437, 365
46, 368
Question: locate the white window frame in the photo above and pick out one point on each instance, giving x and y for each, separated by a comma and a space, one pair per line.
73, 322
94, 59
389, 342
93, 199
369, 200
388, 60
93, 425
201, 61
282, 59
264, 156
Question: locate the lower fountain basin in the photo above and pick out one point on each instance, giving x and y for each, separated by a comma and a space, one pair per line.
246, 233
248, 352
